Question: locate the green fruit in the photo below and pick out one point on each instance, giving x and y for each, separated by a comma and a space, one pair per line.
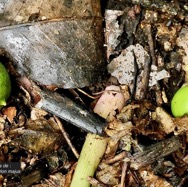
179, 103
5, 85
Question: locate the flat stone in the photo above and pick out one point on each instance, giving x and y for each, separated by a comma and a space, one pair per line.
65, 49
66, 53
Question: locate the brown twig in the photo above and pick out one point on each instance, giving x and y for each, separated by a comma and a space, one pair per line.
90, 96
151, 44
154, 62
123, 174
97, 93
116, 158
76, 154
76, 95
140, 95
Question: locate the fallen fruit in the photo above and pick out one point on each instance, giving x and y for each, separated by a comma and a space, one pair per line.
179, 103
5, 85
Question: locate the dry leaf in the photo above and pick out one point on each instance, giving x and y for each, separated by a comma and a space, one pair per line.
39, 137
124, 67
164, 119
10, 112
153, 180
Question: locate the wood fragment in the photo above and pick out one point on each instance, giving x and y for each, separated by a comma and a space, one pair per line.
116, 158
123, 175
145, 78
155, 152
151, 43
154, 62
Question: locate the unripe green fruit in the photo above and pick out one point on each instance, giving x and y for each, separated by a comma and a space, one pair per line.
5, 85
179, 103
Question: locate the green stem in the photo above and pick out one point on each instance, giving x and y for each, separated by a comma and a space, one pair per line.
91, 155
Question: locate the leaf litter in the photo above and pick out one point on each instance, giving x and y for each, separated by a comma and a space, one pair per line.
146, 145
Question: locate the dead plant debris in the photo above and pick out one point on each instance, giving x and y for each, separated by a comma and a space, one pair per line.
146, 45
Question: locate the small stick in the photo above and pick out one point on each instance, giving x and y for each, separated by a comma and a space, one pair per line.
76, 95
97, 93
135, 76
76, 154
151, 44
135, 176
123, 174
134, 80
145, 78
90, 96
155, 152
154, 62
116, 158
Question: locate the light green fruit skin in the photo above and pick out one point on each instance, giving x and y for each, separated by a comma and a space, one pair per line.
5, 85
179, 103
